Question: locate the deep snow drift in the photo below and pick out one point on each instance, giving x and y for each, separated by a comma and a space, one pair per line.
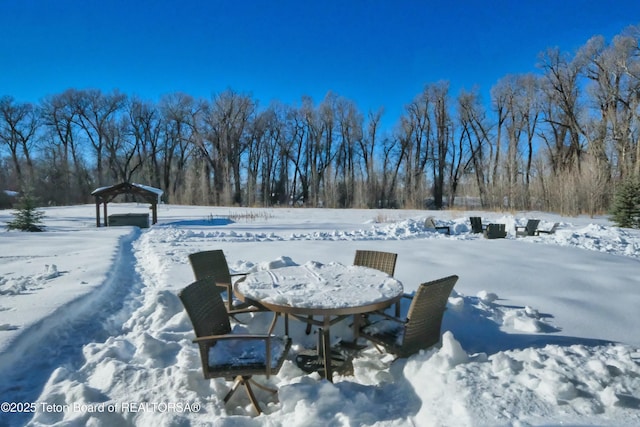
538, 331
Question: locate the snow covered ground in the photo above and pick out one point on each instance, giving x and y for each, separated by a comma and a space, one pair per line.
539, 330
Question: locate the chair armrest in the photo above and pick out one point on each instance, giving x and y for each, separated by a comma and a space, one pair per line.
238, 274
545, 231
213, 338
389, 317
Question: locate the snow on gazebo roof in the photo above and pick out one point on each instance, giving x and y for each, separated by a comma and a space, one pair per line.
126, 187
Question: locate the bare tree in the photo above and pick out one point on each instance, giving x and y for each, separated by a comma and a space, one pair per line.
368, 145
425, 139
58, 113
224, 142
443, 140
317, 157
259, 132
273, 160
18, 125
562, 112
123, 149
415, 136
517, 96
144, 126
294, 148
179, 116
94, 112
475, 130
350, 124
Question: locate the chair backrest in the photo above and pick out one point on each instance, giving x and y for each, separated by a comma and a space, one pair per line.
383, 261
429, 222
532, 226
476, 224
211, 263
424, 318
205, 308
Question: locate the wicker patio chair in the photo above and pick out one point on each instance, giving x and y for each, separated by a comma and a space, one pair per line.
421, 327
235, 357
212, 265
529, 229
383, 261
495, 231
476, 224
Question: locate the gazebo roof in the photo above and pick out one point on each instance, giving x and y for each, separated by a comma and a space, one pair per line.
150, 194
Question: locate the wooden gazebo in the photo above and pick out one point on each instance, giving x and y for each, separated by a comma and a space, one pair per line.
104, 195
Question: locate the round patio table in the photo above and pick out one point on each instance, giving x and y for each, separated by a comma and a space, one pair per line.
331, 291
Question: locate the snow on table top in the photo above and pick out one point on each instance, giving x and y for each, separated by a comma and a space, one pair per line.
320, 286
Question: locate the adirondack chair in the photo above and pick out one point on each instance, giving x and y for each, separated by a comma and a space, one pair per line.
430, 223
552, 230
495, 231
476, 224
529, 229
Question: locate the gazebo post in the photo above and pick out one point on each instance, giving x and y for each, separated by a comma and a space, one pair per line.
106, 224
154, 213
97, 212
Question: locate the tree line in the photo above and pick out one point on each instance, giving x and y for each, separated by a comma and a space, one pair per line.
558, 139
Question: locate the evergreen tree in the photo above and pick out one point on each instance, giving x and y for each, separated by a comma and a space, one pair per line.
626, 204
27, 218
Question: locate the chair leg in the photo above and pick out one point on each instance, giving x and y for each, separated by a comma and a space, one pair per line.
244, 380
252, 397
233, 316
263, 387
378, 347
308, 329
238, 381
286, 324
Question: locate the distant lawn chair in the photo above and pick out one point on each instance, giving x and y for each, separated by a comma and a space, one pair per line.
529, 229
495, 231
550, 231
420, 329
476, 224
431, 224
235, 357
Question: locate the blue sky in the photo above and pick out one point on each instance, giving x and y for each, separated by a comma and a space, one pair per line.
376, 53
